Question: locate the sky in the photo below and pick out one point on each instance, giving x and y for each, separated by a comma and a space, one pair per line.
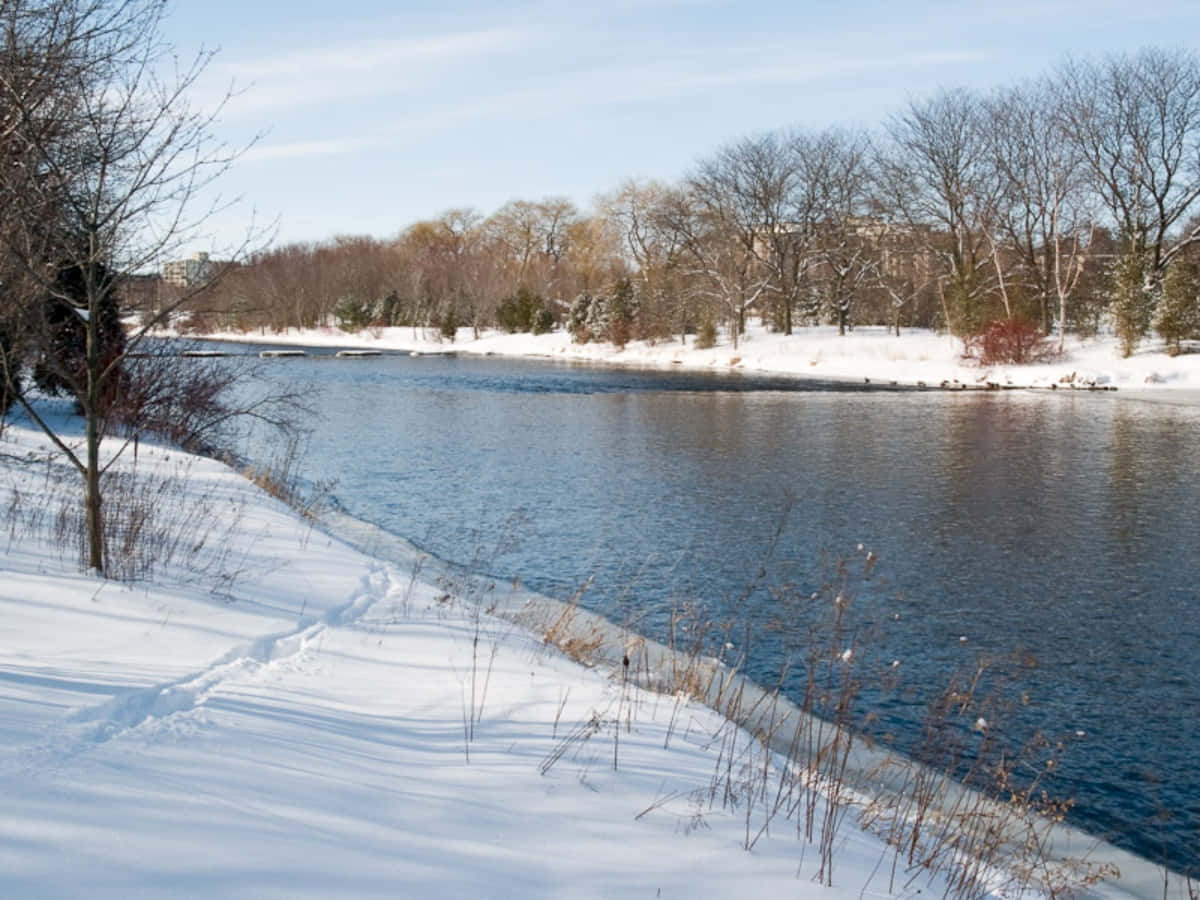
362, 117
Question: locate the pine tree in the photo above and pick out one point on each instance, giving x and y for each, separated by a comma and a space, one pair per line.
1178, 314
1131, 301
577, 320
622, 310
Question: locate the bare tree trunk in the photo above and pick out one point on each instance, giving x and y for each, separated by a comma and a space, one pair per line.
945, 306
1000, 278
95, 515
91, 411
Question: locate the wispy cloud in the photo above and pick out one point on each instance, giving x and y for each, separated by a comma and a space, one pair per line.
685, 74
317, 76
363, 57
301, 149
811, 69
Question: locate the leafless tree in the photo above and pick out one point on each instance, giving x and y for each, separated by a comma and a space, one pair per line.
533, 238
1045, 210
110, 148
641, 214
836, 169
1135, 121
718, 219
937, 174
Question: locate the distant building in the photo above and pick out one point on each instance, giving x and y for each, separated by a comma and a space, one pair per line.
186, 273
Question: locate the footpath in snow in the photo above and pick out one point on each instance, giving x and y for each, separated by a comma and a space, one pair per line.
865, 354
266, 712
277, 715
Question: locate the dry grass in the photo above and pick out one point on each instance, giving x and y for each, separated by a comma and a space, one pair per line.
965, 807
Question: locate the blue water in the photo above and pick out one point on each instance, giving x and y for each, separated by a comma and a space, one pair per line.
1064, 525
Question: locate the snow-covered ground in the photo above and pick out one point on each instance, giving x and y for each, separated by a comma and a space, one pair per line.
865, 353
278, 715
270, 713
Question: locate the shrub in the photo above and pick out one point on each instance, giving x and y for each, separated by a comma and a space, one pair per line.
524, 311
1006, 341
448, 327
543, 321
353, 314
706, 334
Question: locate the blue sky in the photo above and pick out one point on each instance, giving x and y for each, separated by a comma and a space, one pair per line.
373, 115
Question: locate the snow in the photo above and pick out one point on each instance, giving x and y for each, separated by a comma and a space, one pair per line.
276, 714
301, 731
916, 357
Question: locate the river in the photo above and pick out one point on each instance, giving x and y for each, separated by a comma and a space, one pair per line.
1062, 525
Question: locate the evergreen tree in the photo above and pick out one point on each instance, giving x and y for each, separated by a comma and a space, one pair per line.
1178, 314
622, 311
352, 313
448, 327
577, 319
598, 318
1131, 302
61, 362
524, 311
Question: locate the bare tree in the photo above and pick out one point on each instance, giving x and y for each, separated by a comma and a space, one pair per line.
1045, 209
641, 214
717, 217
534, 238
113, 148
836, 169
765, 211
1135, 120
938, 175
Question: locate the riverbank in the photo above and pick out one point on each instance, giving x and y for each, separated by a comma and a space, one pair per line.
269, 713
870, 354
274, 713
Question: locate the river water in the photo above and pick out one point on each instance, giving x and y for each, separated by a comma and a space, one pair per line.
1062, 525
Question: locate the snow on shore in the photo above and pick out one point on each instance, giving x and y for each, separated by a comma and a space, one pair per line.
282, 716
866, 353
272, 713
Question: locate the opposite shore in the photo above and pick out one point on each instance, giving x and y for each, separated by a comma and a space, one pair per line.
866, 355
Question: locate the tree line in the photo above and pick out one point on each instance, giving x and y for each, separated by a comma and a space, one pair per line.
1068, 202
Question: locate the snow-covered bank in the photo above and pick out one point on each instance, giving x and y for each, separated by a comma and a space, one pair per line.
915, 357
293, 719
277, 714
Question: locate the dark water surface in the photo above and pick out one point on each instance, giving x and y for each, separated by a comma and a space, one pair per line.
1066, 525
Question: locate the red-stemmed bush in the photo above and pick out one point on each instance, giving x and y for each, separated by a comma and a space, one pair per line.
1008, 341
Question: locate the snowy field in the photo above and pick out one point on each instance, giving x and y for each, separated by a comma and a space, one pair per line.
265, 712
866, 353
